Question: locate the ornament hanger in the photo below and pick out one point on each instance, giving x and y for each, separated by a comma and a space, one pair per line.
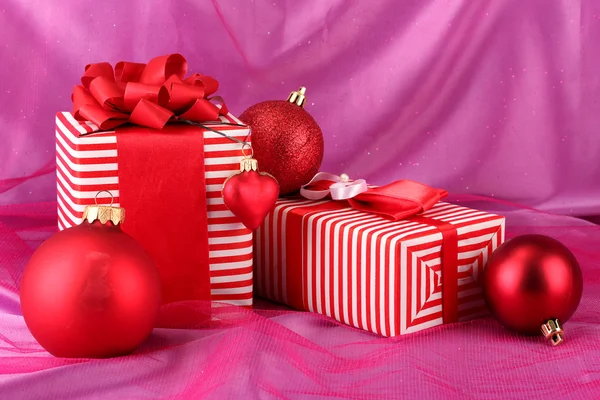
112, 198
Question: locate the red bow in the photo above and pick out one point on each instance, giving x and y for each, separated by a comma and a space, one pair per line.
144, 94
395, 201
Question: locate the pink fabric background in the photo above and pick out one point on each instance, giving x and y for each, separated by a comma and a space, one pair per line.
495, 98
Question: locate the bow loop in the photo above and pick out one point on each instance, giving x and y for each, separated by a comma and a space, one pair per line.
148, 95
395, 201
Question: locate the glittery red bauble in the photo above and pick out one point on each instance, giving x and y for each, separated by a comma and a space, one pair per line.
90, 291
287, 142
529, 280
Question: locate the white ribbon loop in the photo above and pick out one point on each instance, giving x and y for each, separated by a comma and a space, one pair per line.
342, 189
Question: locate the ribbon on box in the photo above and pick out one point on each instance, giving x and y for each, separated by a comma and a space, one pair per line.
161, 172
400, 200
148, 95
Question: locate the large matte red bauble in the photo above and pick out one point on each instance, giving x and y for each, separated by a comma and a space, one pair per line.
90, 291
287, 142
529, 280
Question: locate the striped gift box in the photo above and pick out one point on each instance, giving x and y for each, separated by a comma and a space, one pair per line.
365, 271
89, 164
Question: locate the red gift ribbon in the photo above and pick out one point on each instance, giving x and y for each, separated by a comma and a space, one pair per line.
402, 199
148, 95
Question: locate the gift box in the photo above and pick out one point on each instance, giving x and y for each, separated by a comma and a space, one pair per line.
166, 172
384, 276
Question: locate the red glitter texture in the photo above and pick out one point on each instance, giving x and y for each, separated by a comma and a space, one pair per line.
287, 142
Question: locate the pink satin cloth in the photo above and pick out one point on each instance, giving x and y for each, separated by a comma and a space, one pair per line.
497, 98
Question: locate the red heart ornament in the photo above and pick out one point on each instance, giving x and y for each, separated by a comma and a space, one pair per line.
250, 196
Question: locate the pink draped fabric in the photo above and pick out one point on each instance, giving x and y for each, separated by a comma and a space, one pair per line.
490, 99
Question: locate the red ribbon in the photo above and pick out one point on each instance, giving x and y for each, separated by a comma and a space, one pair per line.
162, 187
148, 95
406, 199
395, 201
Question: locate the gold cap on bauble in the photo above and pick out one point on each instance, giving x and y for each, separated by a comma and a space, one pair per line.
104, 213
299, 97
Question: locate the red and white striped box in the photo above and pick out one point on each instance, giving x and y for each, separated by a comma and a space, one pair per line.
89, 164
375, 274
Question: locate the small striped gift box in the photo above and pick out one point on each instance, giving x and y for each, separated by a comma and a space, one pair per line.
387, 277
89, 164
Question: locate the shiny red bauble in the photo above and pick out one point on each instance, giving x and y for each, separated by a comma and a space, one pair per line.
250, 196
529, 280
90, 291
287, 142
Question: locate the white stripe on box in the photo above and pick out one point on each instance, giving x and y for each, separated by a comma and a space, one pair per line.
66, 212
214, 188
465, 217
237, 133
275, 278
225, 227
471, 219
267, 264
69, 117
413, 300
429, 311
219, 174
231, 278
337, 218
355, 300
440, 209
87, 167
230, 253
403, 286
309, 265
424, 325
426, 252
209, 148
234, 290
62, 219
83, 154
219, 214
388, 231
454, 214
238, 302
109, 180
229, 239
231, 265
282, 238
212, 201
91, 139
468, 254
235, 119
79, 207
480, 226
222, 161
475, 240
91, 194
346, 307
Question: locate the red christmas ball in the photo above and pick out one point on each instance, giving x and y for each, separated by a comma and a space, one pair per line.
90, 291
530, 280
287, 141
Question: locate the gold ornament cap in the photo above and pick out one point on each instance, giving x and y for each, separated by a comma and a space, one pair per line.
553, 331
104, 213
298, 98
